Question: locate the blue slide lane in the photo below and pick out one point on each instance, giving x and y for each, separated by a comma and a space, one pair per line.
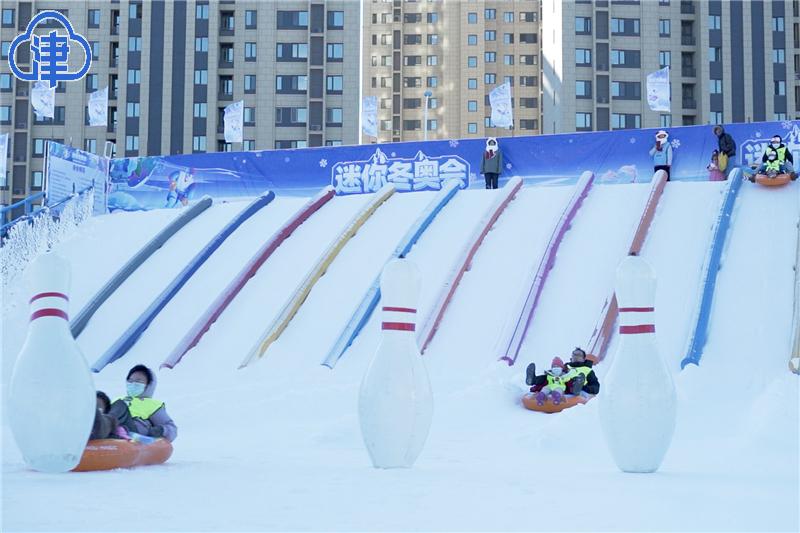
132, 334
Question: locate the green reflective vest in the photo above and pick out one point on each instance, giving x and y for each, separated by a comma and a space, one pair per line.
559, 382
781, 151
773, 166
142, 407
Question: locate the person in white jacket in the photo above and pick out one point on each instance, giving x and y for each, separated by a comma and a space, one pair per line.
661, 152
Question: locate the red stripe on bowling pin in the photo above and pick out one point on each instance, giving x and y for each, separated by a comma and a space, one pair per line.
637, 309
48, 295
400, 309
399, 326
49, 311
638, 328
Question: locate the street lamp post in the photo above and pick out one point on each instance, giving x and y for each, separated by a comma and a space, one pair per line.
428, 94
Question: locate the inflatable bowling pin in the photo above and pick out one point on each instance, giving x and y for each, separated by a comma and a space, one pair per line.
395, 404
51, 399
637, 403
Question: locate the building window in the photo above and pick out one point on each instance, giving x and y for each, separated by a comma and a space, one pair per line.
226, 85
290, 144
621, 121
250, 19
472, 61
37, 179
508, 16
249, 51
778, 55
528, 38
250, 83
5, 116
135, 12
131, 143
95, 45
334, 84
432, 61
292, 51
508, 59
412, 125
528, 124
201, 12
490, 35
412, 18
529, 103
335, 20
715, 22
38, 147
249, 144
625, 58
433, 17
90, 145
489, 14
226, 53
412, 38
292, 20
433, 103
333, 142
472, 40
335, 52
489, 78
291, 116
201, 44
291, 84
780, 88
508, 38
664, 58
715, 117
412, 61
777, 24
664, 27
472, 83
333, 116
529, 81
199, 143
583, 121
777, 116
5, 46
583, 57
583, 88
472, 18
665, 121
433, 124
93, 17
472, 105
624, 26
714, 53
134, 76
8, 18
490, 57
529, 16
134, 44
201, 77
200, 110
249, 116
529, 59
715, 86
132, 109
472, 127
5, 82
583, 26
433, 38
409, 82
227, 20
626, 90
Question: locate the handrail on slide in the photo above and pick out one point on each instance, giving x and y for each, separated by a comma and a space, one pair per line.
370, 301
91, 307
126, 341
464, 260
604, 330
226, 296
515, 329
712, 265
299, 296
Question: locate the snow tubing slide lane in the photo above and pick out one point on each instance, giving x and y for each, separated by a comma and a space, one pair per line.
780, 179
794, 360
291, 307
186, 216
529, 401
712, 264
464, 260
132, 334
202, 325
107, 454
601, 336
373, 295
513, 334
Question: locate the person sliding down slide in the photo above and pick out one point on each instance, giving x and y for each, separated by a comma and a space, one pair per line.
771, 168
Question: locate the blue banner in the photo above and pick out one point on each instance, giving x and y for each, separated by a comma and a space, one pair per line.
620, 156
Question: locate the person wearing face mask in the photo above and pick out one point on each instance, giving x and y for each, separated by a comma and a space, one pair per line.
552, 384
783, 155
661, 153
492, 163
772, 166
580, 377
138, 412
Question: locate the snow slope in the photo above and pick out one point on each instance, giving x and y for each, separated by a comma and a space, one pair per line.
276, 446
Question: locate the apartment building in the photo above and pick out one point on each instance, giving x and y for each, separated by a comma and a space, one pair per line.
437, 60
173, 66
730, 61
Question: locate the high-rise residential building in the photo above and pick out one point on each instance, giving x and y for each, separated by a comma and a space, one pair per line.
730, 61
456, 52
173, 66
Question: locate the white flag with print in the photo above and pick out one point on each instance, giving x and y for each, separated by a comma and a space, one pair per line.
234, 120
43, 100
98, 108
658, 90
369, 116
502, 112
3, 157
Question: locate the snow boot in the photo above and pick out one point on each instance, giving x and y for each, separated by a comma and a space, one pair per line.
541, 397
530, 373
557, 397
576, 385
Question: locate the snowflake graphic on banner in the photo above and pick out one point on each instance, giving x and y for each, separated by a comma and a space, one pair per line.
453, 143
787, 124
407, 174
323, 163
676, 143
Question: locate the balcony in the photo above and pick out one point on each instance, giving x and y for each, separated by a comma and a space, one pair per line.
224, 63
687, 7
687, 40
688, 72
225, 96
689, 103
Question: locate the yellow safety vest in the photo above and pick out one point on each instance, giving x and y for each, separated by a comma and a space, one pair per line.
142, 407
559, 382
773, 166
781, 151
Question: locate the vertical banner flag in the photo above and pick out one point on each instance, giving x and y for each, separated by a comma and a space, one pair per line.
369, 116
234, 119
43, 100
3, 157
500, 100
658, 90
98, 108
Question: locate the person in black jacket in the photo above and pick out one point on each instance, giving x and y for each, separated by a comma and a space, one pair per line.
586, 380
727, 147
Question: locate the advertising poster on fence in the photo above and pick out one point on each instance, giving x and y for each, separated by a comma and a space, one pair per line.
620, 156
71, 170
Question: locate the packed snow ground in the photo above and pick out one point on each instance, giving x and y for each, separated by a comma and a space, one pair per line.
277, 446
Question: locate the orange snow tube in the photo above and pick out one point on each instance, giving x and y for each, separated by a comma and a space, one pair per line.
780, 179
107, 454
529, 401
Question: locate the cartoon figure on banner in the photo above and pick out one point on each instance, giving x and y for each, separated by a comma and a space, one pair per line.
181, 185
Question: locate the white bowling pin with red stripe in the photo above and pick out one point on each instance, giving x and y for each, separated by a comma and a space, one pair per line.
51, 400
395, 402
637, 402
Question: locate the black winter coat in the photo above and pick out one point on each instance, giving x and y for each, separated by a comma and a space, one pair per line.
592, 385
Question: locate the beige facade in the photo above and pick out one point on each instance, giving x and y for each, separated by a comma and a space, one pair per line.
172, 67
729, 62
459, 51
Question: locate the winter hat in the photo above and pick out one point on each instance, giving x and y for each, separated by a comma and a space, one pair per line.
662, 135
557, 362
491, 144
